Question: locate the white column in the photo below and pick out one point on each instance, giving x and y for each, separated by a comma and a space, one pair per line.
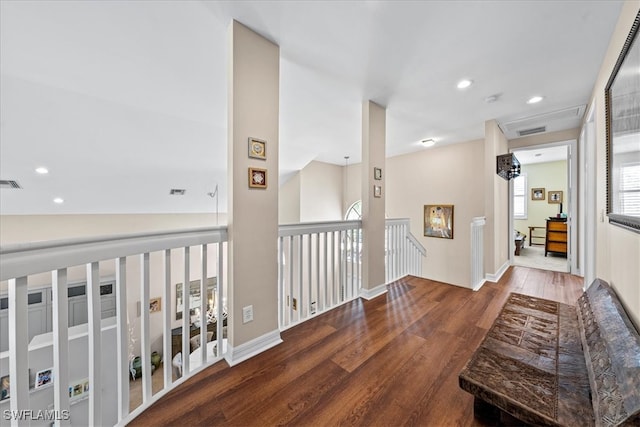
253, 211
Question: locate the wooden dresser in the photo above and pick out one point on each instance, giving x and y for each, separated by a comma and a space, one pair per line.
556, 237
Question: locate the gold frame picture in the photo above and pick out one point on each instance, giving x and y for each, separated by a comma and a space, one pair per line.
155, 305
538, 194
257, 178
438, 221
555, 196
257, 149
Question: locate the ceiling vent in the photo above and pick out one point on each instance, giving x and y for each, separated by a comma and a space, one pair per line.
526, 132
543, 120
177, 191
9, 184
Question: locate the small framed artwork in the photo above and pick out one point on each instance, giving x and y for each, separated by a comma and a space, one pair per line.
377, 191
44, 377
257, 178
257, 149
438, 221
555, 196
538, 194
377, 174
5, 387
155, 305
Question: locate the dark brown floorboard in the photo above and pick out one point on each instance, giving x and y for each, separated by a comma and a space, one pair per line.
390, 361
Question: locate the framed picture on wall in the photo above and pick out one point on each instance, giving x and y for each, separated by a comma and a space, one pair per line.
257, 178
537, 194
438, 221
5, 387
257, 149
44, 377
555, 197
155, 305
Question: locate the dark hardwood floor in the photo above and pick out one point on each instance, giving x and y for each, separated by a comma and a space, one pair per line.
390, 361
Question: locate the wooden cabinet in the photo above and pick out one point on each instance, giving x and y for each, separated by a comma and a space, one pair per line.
556, 237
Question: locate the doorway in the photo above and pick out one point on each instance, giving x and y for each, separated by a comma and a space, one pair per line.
541, 210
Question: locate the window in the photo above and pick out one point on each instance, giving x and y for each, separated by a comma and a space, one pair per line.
354, 212
520, 197
629, 192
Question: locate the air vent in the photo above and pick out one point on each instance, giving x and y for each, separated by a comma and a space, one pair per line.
531, 131
545, 119
9, 184
177, 191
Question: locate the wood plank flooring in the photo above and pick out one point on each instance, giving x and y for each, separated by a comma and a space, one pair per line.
391, 361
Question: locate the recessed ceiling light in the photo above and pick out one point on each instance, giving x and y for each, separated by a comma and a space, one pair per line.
42, 170
534, 99
462, 84
58, 200
428, 142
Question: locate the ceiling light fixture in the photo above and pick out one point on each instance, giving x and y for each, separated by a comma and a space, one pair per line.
58, 200
42, 170
428, 142
535, 99
463, 84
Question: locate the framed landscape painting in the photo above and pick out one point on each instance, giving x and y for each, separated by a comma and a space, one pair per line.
438, 221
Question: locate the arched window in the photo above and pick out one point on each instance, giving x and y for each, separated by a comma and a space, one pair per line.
354, 212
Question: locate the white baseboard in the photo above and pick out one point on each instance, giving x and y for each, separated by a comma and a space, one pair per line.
251, 348
499, 273
369, 294
479, 285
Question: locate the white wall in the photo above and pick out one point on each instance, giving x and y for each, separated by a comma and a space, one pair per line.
617, 249
289, 201
451, 174
321, 188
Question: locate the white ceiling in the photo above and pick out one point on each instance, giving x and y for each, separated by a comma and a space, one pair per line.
123, 101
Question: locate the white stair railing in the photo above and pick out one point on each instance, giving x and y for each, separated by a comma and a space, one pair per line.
153, 255
403, 251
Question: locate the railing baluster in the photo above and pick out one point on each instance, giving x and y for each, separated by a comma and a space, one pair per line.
186, 312
219, 299
60, 342
145, 344
95, 347
122, 338
166, 321
290, 296
204, 300
281, 312
300, 275
319, 306
309, 275
18, 346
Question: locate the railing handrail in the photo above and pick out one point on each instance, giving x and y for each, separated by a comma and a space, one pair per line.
417, 244
396, 221
317, 227
31, 258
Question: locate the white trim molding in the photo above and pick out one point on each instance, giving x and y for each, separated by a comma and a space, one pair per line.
496, 277
370, 294
252, 348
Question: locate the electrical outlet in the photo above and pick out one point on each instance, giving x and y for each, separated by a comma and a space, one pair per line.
295, 304
313, 307
247, 314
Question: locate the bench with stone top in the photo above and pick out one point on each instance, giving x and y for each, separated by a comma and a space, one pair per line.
547, 363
